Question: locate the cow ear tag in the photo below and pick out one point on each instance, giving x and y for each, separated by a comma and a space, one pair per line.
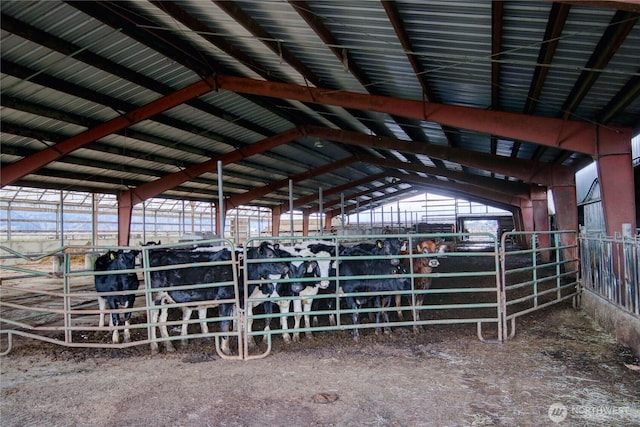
112, 256
379, 244
418, 247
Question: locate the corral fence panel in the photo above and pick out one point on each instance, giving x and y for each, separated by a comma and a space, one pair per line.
535, 278
484, 285
611, 269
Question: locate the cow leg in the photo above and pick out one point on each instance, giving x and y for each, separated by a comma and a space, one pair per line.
102, 306
127, 332
127, 318
416, 317
297, 315
202, 315
184, 330
115, 337
225, 311
155, 313
115, 320
284, 324
351, 303
268, 310
399, 307
306, 308
251, 342
378, 303
127, 324
386, 302
164, 314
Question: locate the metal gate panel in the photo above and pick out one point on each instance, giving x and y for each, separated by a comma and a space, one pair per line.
548, 279
63, 310
207, 326
474, 298
492, 290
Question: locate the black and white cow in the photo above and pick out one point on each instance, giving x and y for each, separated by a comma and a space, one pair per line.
379, 259
204, 265
312, 268
262, 271
119, 289
212, 266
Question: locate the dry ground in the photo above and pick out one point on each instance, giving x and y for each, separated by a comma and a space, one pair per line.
442, 377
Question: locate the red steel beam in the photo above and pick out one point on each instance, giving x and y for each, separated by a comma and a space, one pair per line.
518, 168
552, 132
154, 188
518, 189
15, 171
486, 194
128, 199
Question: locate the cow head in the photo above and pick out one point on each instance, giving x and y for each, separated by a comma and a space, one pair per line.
266, 253
390, 247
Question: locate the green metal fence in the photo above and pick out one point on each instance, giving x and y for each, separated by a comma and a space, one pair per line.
546, 274
484, 285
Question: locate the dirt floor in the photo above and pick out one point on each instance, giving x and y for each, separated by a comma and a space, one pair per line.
561, 367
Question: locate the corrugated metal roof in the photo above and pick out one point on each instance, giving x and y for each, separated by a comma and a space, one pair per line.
68, 67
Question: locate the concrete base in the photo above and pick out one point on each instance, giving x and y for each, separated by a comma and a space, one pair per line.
621, 324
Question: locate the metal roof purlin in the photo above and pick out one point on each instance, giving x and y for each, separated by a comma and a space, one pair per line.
522, 190
23, 167
154, 188
334, 212
354, 196
340, 188
522, 169
244, 198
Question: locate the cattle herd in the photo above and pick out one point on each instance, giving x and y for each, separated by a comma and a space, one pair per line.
312, 276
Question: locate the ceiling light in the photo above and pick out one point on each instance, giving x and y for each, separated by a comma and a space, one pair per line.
318, 143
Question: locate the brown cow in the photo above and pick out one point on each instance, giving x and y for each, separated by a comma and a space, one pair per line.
421, 265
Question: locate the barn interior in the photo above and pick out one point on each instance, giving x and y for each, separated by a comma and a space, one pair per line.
209, 117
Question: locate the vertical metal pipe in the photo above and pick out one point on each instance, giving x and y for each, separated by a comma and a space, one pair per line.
9, 222
291, 207
358, 215
321, 211
342, 214
144, 222
184, 220
213, 228
220, 202
426, 208
94, 219
61, 218
237, 239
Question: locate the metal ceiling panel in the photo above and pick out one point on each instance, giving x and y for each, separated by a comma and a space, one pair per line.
70, 66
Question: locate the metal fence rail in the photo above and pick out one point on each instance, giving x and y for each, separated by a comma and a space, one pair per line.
64, 310
611, 269
455, 297
550, 277
486, 286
